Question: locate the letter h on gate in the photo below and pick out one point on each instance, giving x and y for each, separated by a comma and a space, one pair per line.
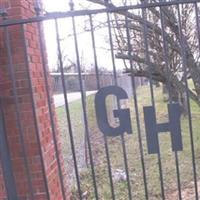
173, 126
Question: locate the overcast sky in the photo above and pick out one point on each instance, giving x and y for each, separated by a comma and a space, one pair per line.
84, 38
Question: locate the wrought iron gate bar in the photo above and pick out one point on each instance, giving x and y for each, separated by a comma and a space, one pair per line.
5, 161
150, 70
111, 44
75, 13
197, 23
190, 118
137, 113
184, 63
166, 56
67, 111
17, 109
33, 105
98, 87
51, 114
84, 108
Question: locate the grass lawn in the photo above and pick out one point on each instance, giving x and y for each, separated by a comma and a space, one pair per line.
133, 151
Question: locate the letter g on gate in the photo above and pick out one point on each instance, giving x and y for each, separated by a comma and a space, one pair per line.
122, 114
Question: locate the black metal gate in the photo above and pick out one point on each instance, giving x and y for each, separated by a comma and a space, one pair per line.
111, 147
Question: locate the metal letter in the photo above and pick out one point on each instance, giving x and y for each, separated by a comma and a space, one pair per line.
173, 126
122, 114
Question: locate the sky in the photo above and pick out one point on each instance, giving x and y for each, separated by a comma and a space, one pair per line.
84, 38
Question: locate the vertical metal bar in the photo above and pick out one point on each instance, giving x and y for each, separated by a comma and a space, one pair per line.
178, 175
118, 104
198, 23
147, 59
18, 115
126, 166
166, 56
6, 162
184, 62
137, 112
51, 114
33, 104
84, 108
67, 111
98, 87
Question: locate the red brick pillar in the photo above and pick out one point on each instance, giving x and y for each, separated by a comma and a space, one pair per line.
37, 134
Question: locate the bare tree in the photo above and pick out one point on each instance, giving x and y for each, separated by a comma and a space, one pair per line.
172, 55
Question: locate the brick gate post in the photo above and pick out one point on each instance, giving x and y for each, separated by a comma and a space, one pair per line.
35, 126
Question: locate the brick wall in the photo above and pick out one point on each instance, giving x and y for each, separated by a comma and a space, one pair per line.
40, 167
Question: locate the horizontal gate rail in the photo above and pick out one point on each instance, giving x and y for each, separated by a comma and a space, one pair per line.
57, 15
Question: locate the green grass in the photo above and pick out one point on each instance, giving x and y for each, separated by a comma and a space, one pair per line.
133, 150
